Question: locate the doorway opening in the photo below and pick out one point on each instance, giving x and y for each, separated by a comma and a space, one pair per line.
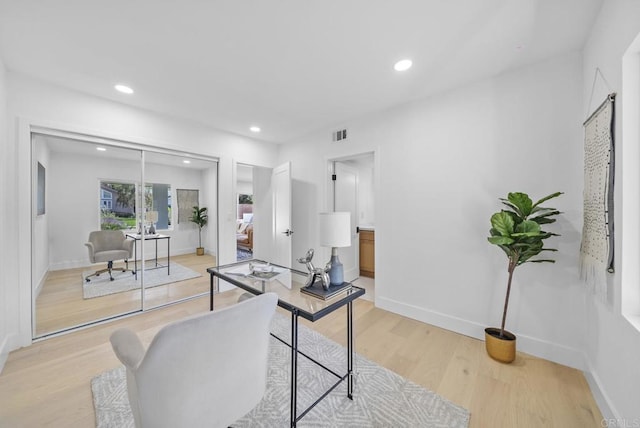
352, 189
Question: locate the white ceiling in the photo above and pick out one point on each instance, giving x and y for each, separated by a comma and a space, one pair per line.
289, 66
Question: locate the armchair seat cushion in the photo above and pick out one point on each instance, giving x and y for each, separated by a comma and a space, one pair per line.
110, 255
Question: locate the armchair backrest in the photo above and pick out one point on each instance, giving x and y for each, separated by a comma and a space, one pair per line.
208, 370
106, 240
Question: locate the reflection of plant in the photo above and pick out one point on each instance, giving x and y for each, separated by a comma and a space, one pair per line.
199, 217
516, 230
245, 199
108, 221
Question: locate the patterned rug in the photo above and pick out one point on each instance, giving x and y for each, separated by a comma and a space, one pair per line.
243, 254
126, 281
381, 397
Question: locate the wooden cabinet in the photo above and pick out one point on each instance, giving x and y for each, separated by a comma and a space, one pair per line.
367, 253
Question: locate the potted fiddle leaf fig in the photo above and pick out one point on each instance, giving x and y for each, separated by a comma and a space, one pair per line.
200, 218
517, 230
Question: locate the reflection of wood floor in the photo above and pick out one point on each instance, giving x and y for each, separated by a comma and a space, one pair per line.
48, 383
61, 305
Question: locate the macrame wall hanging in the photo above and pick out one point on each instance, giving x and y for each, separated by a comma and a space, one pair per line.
187, 199
597, 247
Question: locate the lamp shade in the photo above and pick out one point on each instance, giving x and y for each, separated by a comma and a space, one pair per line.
151, 216
335, 229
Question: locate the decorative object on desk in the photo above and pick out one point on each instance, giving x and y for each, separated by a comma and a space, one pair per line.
314, 272
335, 232
260, 268
382, 397
200, 218
318, 290
124, 281
517, 232
152, 218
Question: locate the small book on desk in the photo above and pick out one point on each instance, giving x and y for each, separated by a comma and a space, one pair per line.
316, 290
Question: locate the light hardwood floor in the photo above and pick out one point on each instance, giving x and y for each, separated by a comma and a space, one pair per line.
48, 383
61, 305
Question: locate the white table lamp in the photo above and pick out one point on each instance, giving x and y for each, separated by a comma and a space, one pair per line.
151, 217
335, 232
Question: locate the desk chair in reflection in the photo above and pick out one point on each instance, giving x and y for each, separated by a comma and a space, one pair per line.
108, 246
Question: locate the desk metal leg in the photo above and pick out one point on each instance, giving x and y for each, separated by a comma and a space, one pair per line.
135, 257
294, 367
350, 350
211, 279
168, 254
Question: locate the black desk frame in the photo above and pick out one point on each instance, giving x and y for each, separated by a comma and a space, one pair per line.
137, 238
338, 302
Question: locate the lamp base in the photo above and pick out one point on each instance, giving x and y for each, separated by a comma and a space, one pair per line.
336, 273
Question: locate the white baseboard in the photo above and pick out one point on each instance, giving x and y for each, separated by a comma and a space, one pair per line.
41, 282
4, 352
74, 264
543, 349
607, 408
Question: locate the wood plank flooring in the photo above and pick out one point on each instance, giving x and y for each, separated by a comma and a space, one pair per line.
61, 305
47, 384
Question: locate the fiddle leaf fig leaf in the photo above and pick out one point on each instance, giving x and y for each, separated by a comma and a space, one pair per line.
500, 240
522, 202
528, 228
503, 223
546, 198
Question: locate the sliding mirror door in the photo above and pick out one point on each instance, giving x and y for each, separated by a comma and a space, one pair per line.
174, 270
81, 189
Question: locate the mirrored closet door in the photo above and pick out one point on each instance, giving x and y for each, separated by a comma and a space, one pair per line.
113, 232
173, 268
81, 190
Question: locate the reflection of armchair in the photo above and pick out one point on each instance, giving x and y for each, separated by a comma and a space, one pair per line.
107, 246
207, 370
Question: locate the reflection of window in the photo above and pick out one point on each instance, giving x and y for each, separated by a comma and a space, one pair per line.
118, 204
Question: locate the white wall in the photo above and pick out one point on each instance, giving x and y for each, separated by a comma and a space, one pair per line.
73, 206
4, 226
32, 102
457, 153
612, 343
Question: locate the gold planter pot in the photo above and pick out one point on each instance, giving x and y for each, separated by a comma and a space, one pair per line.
501, 349
200, 251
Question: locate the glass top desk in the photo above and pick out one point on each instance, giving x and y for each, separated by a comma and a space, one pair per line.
287, 284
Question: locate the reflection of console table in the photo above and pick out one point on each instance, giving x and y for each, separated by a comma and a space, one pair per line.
155, 238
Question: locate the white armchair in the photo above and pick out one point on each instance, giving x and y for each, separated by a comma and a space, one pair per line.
108, 246
204, 371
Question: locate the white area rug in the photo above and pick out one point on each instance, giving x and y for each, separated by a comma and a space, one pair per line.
381, 397
126, 281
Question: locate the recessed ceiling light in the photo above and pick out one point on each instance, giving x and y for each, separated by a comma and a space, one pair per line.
101, 149
124, 89
254, 129
186, 161
403, 65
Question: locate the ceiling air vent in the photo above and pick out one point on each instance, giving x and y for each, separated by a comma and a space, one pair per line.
339, 135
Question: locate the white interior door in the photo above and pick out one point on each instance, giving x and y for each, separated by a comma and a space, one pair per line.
281, 182
346, 199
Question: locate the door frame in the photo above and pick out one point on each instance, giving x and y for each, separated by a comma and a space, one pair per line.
328, 203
